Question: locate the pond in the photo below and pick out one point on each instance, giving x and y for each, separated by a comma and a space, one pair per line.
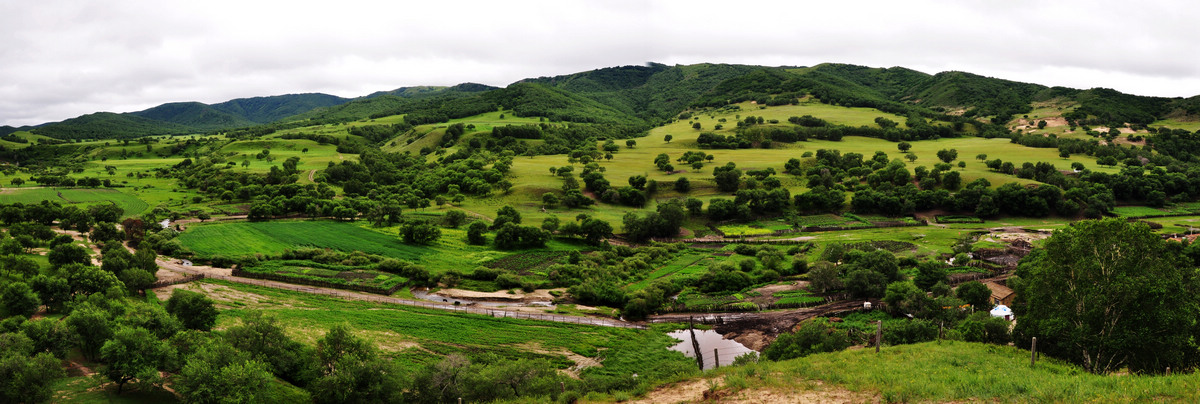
727, 349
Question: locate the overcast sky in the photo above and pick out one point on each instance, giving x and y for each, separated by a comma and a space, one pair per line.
60, 59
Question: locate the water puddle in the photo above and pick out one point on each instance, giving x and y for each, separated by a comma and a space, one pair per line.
727, 349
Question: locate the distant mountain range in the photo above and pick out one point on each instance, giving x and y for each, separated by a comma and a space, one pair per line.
640, 96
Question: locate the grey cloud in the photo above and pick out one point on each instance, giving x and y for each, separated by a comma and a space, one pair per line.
65, 58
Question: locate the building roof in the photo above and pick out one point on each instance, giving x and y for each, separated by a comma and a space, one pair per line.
999, 291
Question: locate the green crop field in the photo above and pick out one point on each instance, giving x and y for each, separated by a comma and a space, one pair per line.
691, 263
248, 238
75, 196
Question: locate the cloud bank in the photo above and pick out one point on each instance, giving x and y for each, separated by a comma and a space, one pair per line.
61, 58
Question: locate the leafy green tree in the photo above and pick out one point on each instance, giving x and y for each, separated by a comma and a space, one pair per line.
419, 232
824, 277
264, 339
929, 273
92, 326
975, 294
683, 185
667, 138
133, 354
65, 254
455, 218
947, 155
903, 146
217, 372
352, 371
137, 279
50, 336
25, 379
18, 299
477, 233
193, 309
1108, 294
550, 200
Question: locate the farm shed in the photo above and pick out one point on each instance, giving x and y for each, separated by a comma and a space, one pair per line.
1000, 294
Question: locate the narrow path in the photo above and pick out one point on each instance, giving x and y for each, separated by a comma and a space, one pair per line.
225, 275
311, 174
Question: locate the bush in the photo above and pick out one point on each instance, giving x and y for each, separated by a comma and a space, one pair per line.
814, 336
909, 332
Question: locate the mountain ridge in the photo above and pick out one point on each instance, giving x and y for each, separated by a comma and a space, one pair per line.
645, 95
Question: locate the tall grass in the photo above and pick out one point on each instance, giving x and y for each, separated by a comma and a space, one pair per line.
962, 371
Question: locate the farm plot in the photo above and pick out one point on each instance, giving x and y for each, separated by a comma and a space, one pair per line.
693, 263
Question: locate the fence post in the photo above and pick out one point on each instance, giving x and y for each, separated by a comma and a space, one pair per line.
1033, 352
878, 336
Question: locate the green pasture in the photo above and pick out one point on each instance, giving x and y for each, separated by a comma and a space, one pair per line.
273, 237
1178, 124
75, 196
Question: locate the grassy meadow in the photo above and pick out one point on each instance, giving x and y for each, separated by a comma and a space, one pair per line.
952, 371
451, 251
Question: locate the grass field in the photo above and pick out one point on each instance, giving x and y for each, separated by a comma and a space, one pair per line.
247, 238
75, 196
959, 372
415, 336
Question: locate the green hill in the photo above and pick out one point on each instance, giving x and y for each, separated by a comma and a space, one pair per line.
274, 108
194, 115
106, 125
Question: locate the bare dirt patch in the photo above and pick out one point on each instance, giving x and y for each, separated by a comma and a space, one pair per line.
225, 297
702, 390
540, 295
686, 391
581, 362
766, 293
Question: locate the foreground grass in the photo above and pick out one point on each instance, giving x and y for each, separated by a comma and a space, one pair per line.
415, 337
960, 371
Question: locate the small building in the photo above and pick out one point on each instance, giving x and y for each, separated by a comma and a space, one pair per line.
1001, 295
1003, 312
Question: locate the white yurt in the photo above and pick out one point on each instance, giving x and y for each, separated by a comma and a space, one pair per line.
1002, 311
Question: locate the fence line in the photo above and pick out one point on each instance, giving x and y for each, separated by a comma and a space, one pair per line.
492, 312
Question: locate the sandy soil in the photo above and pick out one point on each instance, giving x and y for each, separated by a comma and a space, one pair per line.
540, 295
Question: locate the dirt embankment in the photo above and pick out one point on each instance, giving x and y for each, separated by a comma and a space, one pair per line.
711, 390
